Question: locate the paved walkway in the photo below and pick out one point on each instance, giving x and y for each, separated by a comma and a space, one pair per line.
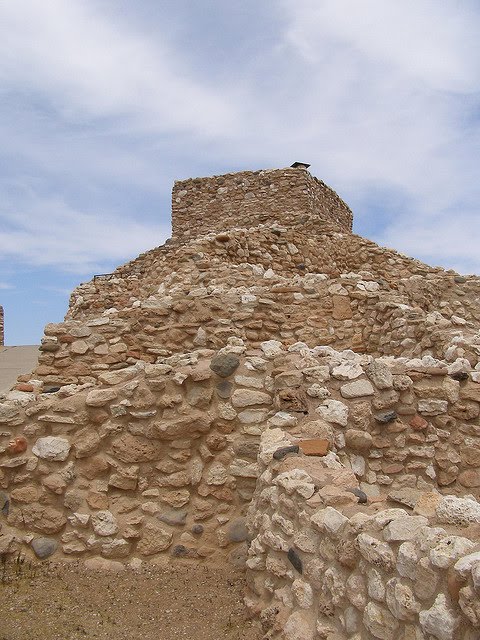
15, 361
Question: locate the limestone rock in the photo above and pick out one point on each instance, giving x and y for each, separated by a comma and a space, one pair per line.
104, 523
334, 411
155, 539
51, 448
357, 389
440, 620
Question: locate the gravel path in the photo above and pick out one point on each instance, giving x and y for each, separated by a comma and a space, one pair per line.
66, 602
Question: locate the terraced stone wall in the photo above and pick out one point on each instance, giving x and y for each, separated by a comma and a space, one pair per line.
249, 198
323, 563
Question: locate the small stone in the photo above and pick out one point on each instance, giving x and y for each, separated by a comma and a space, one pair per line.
271, 348
379, 374
358, 440
100, 397
173, 517
329, 520
448, 550
379, 621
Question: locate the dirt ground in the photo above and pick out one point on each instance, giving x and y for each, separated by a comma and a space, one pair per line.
67, 602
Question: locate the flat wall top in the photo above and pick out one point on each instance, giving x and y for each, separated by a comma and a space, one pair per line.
249, 198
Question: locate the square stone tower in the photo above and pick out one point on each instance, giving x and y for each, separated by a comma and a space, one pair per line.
289, 197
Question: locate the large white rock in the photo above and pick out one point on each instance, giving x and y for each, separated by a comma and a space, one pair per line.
375, 552
440, 620
404, 528
334, 411
51, 448
329, 520
271, 348
461, 511
448, 550
466, 564
347, 370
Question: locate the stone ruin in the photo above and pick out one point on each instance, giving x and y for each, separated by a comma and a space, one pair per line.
266, 389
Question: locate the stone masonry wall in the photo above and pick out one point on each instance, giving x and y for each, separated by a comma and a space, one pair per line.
324, 564
286, 196
162, 458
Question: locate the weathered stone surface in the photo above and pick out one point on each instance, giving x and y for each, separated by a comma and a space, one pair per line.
380, 622
128, 448
51, 448
440, 620
104, 523
357, 389
334, 411
375, 551
461, 511
406, 528
155, 539
247, 398
100, 397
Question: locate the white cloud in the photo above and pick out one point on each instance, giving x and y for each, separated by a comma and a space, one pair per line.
88, 66
6, 285
73, 240
424, 40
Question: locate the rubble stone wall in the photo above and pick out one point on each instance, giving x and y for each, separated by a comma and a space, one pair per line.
248, 198
162, 458
321, 565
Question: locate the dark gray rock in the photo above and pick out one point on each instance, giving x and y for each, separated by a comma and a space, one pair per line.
237, 530
283, 452
44, 547
224, 364
385, 417
180, 551
4, 503
197, 529
361, 495
295, 560
224, 389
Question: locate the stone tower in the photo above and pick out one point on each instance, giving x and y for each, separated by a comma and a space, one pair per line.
291, 197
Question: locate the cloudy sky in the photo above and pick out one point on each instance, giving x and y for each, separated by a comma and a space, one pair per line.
104, 103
